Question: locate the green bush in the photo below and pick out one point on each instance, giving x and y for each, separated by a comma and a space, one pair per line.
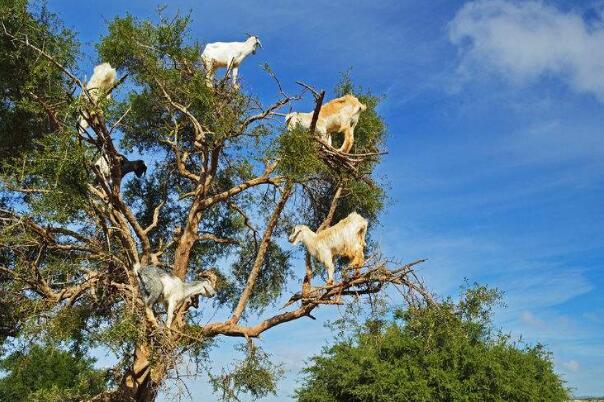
46, 373
444, 352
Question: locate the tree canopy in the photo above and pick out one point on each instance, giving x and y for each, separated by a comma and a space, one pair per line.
226, 182
48, 374
443, 351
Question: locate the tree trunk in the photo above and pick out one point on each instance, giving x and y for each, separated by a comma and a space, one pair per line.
185, 244
142, 382
183, 252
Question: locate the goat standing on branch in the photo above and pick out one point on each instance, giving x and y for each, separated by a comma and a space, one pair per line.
227, 55
160, 285
126, 166
100, 83
346, 238
339, 115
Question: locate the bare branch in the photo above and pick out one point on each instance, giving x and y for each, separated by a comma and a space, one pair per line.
263, 179
153, 224
246, 221
270, 110
332, 209
315, 115
216, 239
199, 132
315, 93
251, 280
117, 123
180, 165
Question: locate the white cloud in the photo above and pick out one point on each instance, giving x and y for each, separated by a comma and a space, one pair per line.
527, 40
571, 365
528, 318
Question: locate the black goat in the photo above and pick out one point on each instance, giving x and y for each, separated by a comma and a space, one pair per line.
126, 166
138, 167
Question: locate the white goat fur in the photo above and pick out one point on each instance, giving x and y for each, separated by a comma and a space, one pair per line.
101, 81
171, 290
346, 238
103, 167
227, 55
339, 115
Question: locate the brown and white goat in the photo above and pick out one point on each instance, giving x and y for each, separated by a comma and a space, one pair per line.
339, 115
346, 239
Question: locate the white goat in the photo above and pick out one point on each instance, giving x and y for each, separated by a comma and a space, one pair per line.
346, 238
101, 81
103, 166
227, 55
339, 115
163, 286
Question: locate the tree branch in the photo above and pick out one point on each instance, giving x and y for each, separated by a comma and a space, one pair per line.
332, 209
263, 179
180, 165
268, 111
153, 224
251, 280
199, 132
371, 281
44, 54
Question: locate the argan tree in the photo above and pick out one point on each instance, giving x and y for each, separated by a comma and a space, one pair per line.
225, 183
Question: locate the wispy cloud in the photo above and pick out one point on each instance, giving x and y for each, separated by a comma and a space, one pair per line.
523, 41
528, 318
571, 365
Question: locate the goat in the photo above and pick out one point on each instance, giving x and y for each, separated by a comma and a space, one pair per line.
339, 115
161, 285
346, 238
126, 166
304, 120
227, 55
100, 83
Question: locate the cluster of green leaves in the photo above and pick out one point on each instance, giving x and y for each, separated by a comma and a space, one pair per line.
160, 56
255, 375
298, 155
443, 352
49, 374
30, 85
22, 71
58, 167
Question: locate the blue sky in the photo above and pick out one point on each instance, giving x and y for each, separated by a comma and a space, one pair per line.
496, 148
